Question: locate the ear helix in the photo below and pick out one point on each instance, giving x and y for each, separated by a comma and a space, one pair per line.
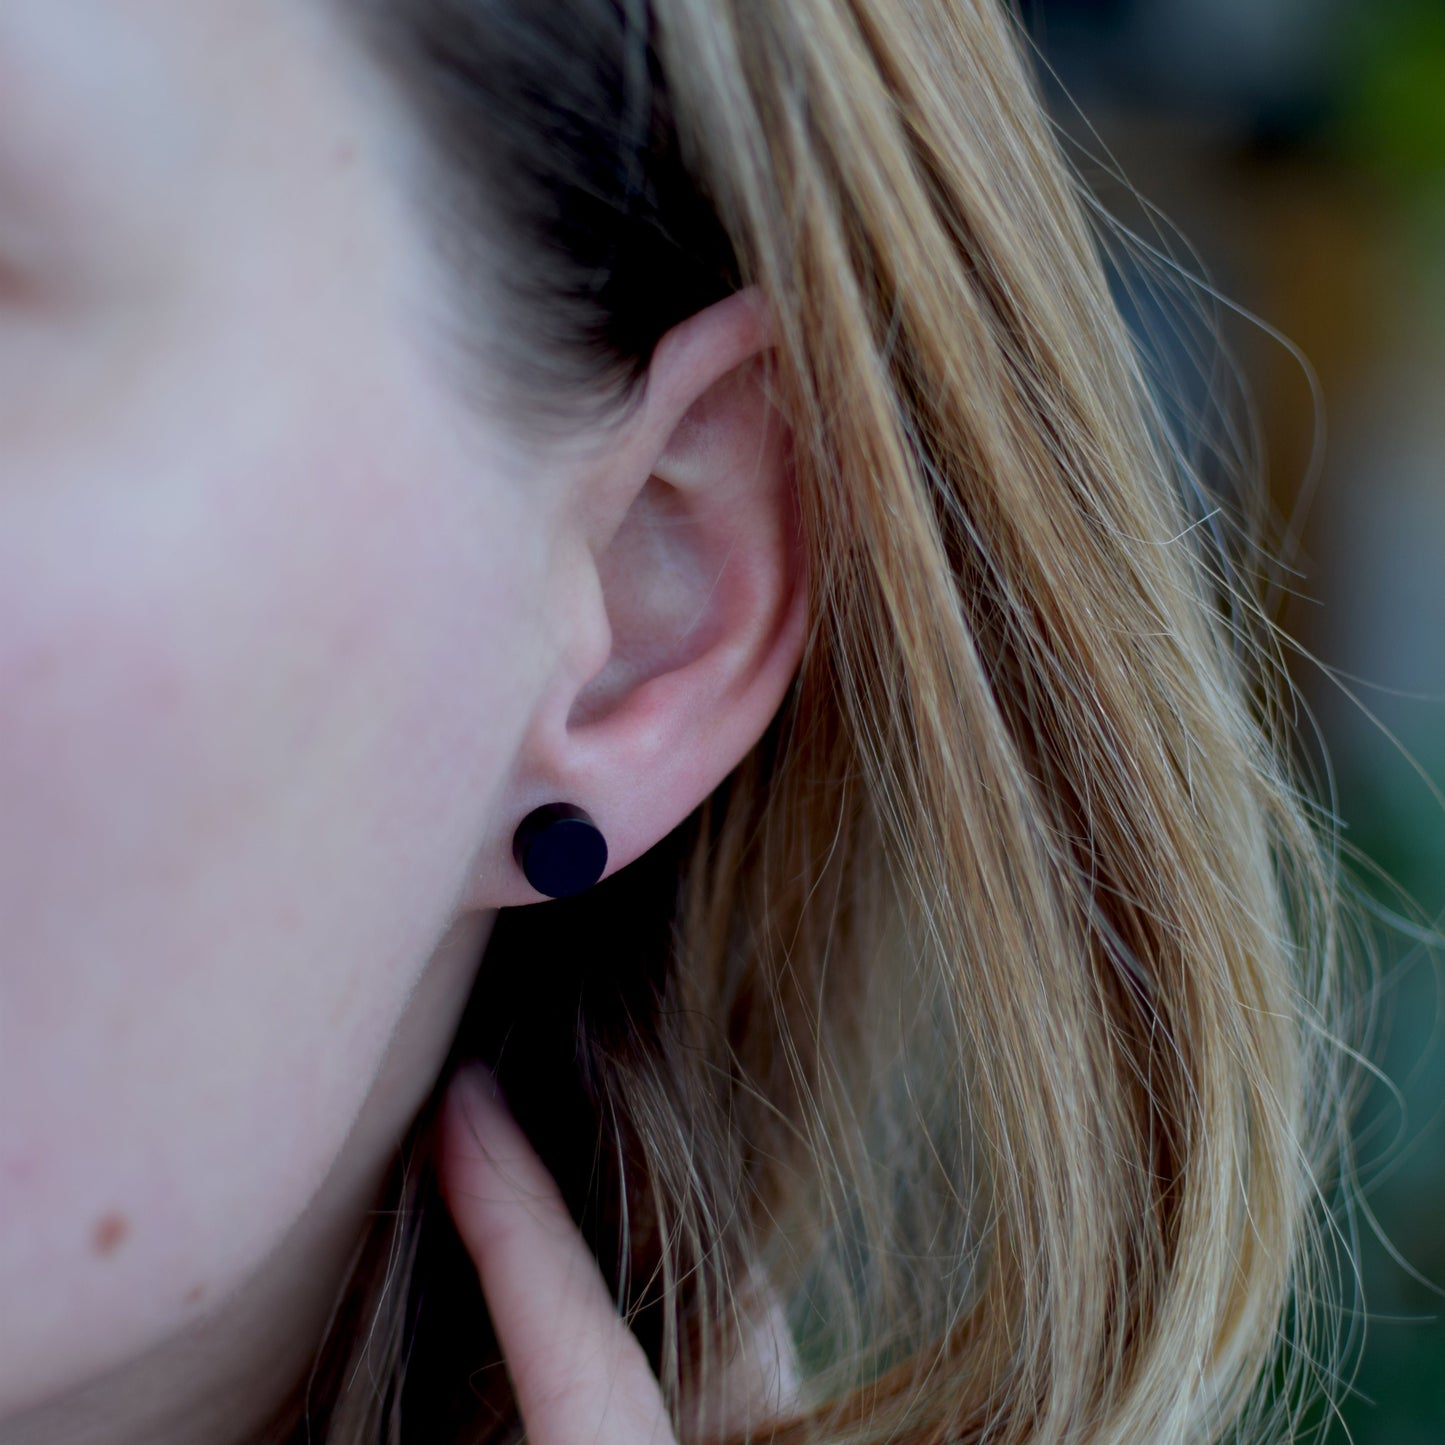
560, 849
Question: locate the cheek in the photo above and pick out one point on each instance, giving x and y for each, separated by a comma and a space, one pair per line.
247, 747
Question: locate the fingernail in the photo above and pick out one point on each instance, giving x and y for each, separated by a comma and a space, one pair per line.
478, 1092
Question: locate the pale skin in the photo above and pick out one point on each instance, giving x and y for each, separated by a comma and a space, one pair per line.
291, 637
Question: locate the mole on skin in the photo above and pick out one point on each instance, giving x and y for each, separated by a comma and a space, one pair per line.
110, 1232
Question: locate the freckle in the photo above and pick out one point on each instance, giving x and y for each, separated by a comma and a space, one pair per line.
110, 1233
289, 917
195, 1294
344, 155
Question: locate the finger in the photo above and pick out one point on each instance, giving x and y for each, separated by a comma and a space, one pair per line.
579, 1374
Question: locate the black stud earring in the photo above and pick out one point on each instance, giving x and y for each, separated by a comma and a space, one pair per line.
560, 849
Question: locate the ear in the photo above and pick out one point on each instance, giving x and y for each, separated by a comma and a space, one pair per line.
689, 630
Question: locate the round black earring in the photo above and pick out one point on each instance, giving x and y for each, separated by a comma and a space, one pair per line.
560, 849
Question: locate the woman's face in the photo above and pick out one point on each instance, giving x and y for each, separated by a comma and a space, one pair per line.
266, 648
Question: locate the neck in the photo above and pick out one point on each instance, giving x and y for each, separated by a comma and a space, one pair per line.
228, 1379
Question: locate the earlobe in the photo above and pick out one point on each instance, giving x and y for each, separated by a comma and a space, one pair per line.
701, 579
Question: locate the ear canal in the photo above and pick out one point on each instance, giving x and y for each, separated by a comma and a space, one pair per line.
560, 849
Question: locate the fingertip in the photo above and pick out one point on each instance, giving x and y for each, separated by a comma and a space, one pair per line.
485, 1153
495, 1187
468, 1120
576, 1369
476, 1092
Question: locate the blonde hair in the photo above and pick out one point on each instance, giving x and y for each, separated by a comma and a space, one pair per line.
984, 1016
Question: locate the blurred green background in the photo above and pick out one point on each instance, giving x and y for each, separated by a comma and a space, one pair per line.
1298, 146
